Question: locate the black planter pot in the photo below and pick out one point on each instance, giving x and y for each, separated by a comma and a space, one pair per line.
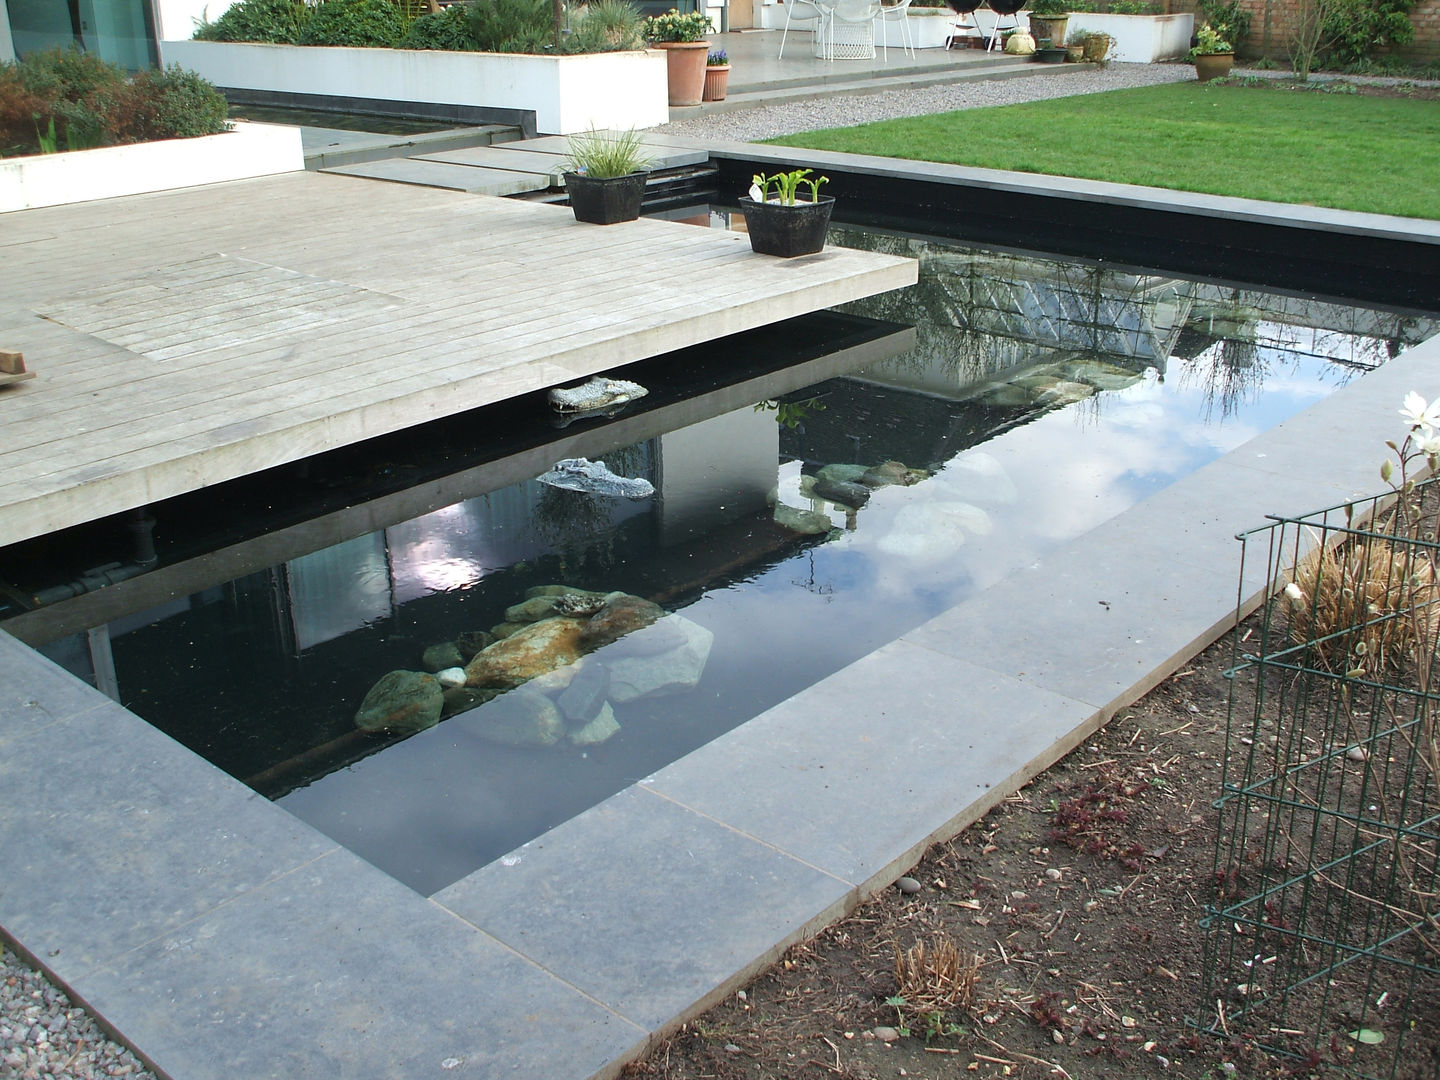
787, 231
1050, 56
605, 200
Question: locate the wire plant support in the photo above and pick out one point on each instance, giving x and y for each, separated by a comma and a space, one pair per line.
1323, 932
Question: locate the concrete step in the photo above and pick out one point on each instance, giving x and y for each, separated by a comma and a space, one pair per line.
326, 148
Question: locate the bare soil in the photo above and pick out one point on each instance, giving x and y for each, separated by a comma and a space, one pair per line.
1079, 897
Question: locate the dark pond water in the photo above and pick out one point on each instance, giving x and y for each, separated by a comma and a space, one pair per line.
1035, 400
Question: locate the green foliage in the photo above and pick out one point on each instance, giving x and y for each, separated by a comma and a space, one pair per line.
1349, 153
276, 22
786, 185
672, 26
1210, 42
1049, 8
606, 26
356, 23
601, 154
1354, 29
1227, 16
1136, 7
448, 28
513, 26
69, 100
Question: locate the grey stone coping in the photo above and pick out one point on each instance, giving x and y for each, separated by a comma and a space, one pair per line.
439, 174
224, 938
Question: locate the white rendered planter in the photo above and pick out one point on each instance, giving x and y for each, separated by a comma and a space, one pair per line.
1139, 39
566, 93
110, 171
926, 31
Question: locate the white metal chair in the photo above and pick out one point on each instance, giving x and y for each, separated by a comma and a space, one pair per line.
858, 17
802, 11
895, 13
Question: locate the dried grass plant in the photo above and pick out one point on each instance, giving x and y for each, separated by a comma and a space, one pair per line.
938, 977
1368, 607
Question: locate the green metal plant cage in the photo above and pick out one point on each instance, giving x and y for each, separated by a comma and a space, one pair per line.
1323, 932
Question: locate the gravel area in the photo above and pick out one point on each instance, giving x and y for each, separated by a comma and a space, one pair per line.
42, 1034
843, 110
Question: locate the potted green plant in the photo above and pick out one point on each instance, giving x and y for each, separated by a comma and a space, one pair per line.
717, 75
606, 176
780, 221
1048, 19
1213, 55
682, 39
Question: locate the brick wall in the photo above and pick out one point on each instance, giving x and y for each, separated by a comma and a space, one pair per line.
1425, 16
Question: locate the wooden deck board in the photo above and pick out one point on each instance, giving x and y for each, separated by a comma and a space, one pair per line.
185, 338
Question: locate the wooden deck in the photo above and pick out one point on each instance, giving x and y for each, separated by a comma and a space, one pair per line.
185, 338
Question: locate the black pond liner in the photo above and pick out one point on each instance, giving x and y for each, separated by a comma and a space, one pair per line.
787, 230
605, 200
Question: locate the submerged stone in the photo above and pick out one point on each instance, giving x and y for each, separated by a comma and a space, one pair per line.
602, 727
637, 673
402, 702
585, 695
442, 656
809, 522
888, 473
530, 651
849, 493
451, 676
520, 717
840, 473
621, 615
461, 699
472, 642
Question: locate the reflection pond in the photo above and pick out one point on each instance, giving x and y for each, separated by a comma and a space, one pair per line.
569, 643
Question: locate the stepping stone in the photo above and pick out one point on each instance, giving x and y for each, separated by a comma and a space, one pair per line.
443, 175
550, 166
663, 155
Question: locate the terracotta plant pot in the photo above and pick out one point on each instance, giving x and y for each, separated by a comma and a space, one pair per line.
1213, 65
685, 69
717, 77
1049, 26
787, 231
605, 200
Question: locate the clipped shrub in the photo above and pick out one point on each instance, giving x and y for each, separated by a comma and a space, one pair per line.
448, 28
357, 23
510, 25
274, 22
61, 100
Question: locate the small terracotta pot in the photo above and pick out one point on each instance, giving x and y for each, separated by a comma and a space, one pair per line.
685, 69
717, 77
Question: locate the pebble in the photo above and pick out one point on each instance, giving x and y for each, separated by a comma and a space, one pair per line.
1357, 753
908, 885
43, 1035
886, 1034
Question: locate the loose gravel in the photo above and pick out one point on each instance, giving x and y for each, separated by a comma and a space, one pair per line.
843, 110
44, 1035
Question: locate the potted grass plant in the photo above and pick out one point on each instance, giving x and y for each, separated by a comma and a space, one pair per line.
780, 220
606, 176
717, 75
1213, 55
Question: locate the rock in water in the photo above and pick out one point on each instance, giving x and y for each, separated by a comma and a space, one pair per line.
451, 677
635, 672
598, 392
598, 730
838, 473
809, 522
402, 702
521, 717
574, 602
442, 656
472, 642
893, 472
531, 651
845, 492
592, 477
621, 615
585, 696
460, 699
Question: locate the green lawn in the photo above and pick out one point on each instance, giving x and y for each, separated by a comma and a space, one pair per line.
1325, 149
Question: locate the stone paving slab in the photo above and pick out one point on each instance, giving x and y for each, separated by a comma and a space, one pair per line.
822, 775
441, 175
669, 905
35, 693
550, 166
336, 970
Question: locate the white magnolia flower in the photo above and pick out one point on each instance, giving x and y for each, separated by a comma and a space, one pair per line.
1418, 414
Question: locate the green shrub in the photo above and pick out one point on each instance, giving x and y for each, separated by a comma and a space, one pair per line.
1354, 29
357, 23
511, 25
448, 28
606, 26
61, 100
275, 22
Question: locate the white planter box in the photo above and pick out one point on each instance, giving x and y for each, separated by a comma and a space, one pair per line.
82, 175
926, 31
566, 93
1139, 39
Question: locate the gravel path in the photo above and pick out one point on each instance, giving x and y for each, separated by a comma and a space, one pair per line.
43, 1035
842, 110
